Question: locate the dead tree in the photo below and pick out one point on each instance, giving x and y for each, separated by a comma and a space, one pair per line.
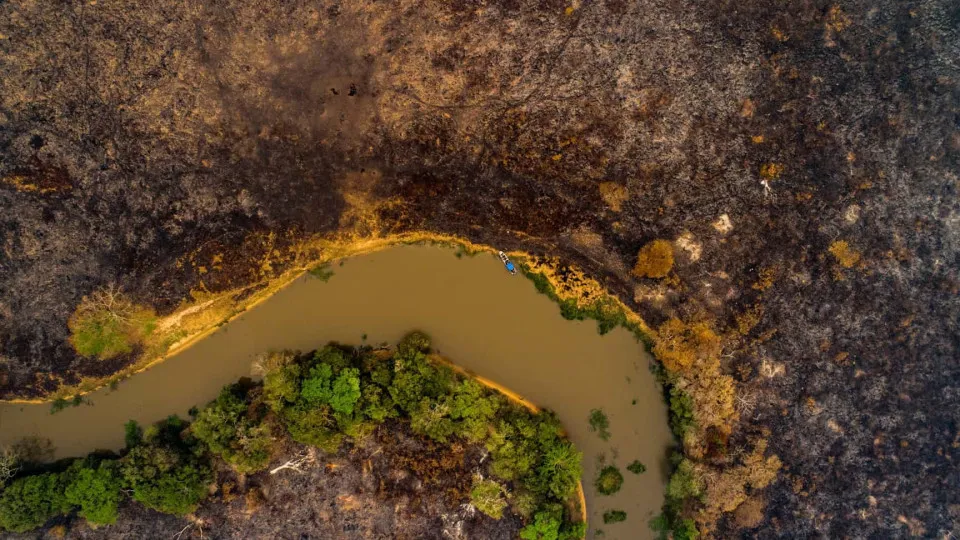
296, 464
9, 464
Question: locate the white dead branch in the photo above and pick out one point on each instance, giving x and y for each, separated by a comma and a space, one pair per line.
295, 464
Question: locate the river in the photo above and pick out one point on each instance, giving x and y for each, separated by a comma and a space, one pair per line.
479, 317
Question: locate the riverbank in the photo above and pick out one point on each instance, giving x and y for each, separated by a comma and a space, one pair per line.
494, 324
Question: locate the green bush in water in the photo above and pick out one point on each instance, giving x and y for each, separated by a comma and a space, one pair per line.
636, 467
614, 516
609, 481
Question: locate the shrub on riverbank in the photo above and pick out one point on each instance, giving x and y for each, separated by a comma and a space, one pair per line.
107, 324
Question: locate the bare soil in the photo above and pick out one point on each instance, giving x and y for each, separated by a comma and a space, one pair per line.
140, 140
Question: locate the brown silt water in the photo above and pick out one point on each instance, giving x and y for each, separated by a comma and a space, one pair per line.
479, 316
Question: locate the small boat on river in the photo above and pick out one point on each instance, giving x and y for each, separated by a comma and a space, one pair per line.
507, 263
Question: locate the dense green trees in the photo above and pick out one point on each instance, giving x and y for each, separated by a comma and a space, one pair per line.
487, 496
168, 471
323, 399
341, 393
94, 487
90, 485
234, 430
29, 502
548, 524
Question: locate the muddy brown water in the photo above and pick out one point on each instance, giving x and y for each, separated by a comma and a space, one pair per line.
478, 315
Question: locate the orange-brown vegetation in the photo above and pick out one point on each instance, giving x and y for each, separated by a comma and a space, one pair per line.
845, 255
728, 488
655, 260
614, 195
749, 514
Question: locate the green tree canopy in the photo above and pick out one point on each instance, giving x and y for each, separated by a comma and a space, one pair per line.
31, 501
95, 489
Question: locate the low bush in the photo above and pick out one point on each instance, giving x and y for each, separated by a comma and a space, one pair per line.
614, 516
487, 496
600, 424
107, 324
609, 481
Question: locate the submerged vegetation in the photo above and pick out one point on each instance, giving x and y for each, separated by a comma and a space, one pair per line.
609, 481
323, 272
614, 516
335, 395
636, 467
600, 424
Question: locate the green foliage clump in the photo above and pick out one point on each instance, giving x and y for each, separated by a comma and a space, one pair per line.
487, 496
614, 516
165, 480
321, 272
132, 434
167, 472
341, 391
31, 501
95, 489
681, 412
636, 467
559, 470
549, 524
600, 424
684, 482
107, 324
60, 403
609, 481
670, 525
234, 430
281, 382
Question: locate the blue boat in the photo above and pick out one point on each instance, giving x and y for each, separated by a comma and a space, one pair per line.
507, 263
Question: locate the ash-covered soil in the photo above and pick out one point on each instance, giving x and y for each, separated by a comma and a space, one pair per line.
139, 141
395, 485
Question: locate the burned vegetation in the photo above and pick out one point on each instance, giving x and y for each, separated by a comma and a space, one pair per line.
800, 160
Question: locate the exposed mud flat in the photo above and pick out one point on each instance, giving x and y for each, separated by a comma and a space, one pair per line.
486, 320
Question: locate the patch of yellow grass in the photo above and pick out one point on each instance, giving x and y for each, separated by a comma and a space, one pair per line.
844, 254
614, 195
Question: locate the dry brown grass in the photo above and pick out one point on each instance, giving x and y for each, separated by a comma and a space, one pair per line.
614, 195
749, 514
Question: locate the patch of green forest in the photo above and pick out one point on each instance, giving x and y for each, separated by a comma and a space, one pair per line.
324, 399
